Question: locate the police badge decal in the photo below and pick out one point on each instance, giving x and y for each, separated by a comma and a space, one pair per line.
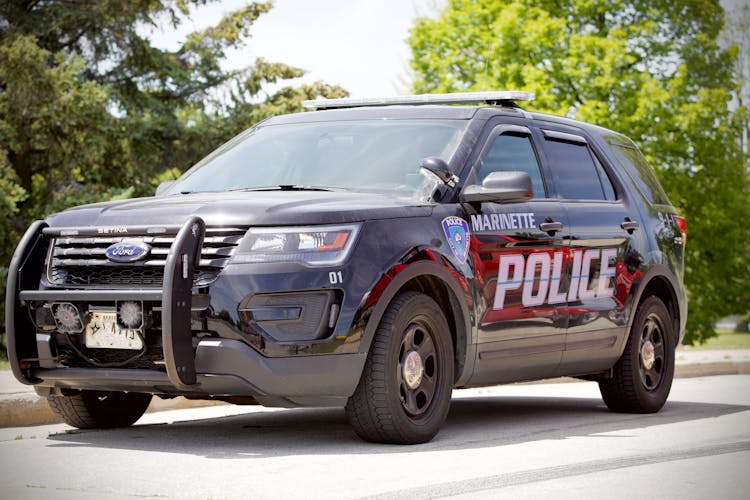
457, 233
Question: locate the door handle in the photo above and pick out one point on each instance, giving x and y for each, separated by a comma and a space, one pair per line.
551, 227
629, 225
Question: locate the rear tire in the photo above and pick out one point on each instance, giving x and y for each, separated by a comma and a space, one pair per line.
100, 410
642, 377
404, 394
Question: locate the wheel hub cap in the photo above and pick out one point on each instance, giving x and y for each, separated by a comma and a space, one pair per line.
647, 355
412, 370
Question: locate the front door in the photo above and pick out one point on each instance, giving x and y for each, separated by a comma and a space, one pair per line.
518, 254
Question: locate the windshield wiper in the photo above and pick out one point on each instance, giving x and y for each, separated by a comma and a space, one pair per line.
284, 187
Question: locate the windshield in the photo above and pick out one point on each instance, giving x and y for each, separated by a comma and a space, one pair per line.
379, 155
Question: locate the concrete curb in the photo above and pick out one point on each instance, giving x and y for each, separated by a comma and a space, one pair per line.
713, 368
26, 408
18, 410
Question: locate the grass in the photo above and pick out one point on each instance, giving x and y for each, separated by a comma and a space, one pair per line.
727, 339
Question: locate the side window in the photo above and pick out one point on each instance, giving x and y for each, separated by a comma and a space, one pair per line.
579, 174
513, 153
640, 171
609, 189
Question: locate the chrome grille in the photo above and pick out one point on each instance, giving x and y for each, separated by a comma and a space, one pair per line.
81, 261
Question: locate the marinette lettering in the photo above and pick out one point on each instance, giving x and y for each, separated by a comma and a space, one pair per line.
516, 272
501, 222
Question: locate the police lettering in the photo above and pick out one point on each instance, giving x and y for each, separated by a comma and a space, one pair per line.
501, 222
516, 272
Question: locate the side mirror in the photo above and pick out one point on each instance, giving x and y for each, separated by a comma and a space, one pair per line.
439, 168
500, 187
163, 186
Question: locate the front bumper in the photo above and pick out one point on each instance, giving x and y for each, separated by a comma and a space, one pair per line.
214, 367
226, 367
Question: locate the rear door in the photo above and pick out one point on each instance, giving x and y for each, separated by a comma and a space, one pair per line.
603, 261
517, 255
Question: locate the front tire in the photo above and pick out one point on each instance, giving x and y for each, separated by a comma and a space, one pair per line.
100, 409
404, 394
642, 378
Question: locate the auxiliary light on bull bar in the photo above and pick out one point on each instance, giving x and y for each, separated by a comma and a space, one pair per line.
67, 317
130, 314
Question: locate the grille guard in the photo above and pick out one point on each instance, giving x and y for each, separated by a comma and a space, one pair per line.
177, 338
175, 295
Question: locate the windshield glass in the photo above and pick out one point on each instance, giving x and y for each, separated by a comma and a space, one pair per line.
378, 155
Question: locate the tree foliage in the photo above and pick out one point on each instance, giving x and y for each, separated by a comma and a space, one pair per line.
651, 69
91, 110
736, 34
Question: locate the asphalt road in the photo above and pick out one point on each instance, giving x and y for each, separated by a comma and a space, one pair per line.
522, 441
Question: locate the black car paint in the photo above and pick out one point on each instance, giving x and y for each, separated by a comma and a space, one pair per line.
401, 245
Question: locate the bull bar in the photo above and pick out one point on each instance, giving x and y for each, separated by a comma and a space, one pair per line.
175, 296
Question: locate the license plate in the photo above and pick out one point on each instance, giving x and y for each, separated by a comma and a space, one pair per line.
102, 332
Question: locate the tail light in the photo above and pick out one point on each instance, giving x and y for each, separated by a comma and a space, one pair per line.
682, 224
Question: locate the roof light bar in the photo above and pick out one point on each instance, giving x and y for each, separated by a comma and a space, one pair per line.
457, 98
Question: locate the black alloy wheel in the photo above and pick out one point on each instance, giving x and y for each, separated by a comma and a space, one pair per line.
642, 377
417, 370
652, 353
404, 393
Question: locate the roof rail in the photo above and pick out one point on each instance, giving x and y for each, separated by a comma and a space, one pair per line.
502, 97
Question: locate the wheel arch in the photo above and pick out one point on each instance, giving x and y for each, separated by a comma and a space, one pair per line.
656, 282
439, 284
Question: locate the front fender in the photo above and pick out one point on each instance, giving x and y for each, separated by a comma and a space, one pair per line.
397, 278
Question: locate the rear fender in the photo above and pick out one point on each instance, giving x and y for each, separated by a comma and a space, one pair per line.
678, 306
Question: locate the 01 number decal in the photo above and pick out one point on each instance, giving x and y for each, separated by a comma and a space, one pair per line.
335, 277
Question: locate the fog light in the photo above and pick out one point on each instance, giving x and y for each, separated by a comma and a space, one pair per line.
67, 317
272, 313
288, 316
130, 315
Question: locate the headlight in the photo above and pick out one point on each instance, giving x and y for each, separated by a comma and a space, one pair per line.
317, 246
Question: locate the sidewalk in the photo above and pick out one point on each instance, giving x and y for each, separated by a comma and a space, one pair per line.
20, 405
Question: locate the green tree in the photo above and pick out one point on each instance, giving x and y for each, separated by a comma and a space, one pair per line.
91, 110
651, 69
736, 34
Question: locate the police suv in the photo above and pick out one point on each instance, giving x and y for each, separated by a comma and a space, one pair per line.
372, 254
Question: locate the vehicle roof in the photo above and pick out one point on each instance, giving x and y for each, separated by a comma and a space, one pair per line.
438, 112
607, 134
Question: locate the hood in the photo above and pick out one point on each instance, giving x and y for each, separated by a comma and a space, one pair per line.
253, 208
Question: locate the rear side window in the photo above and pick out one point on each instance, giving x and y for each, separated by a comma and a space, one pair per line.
513, 153
579, 175
641, 172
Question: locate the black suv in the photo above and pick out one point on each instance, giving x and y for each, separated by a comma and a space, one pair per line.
372, 254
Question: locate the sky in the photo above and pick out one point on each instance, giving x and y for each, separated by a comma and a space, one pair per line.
359, 45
